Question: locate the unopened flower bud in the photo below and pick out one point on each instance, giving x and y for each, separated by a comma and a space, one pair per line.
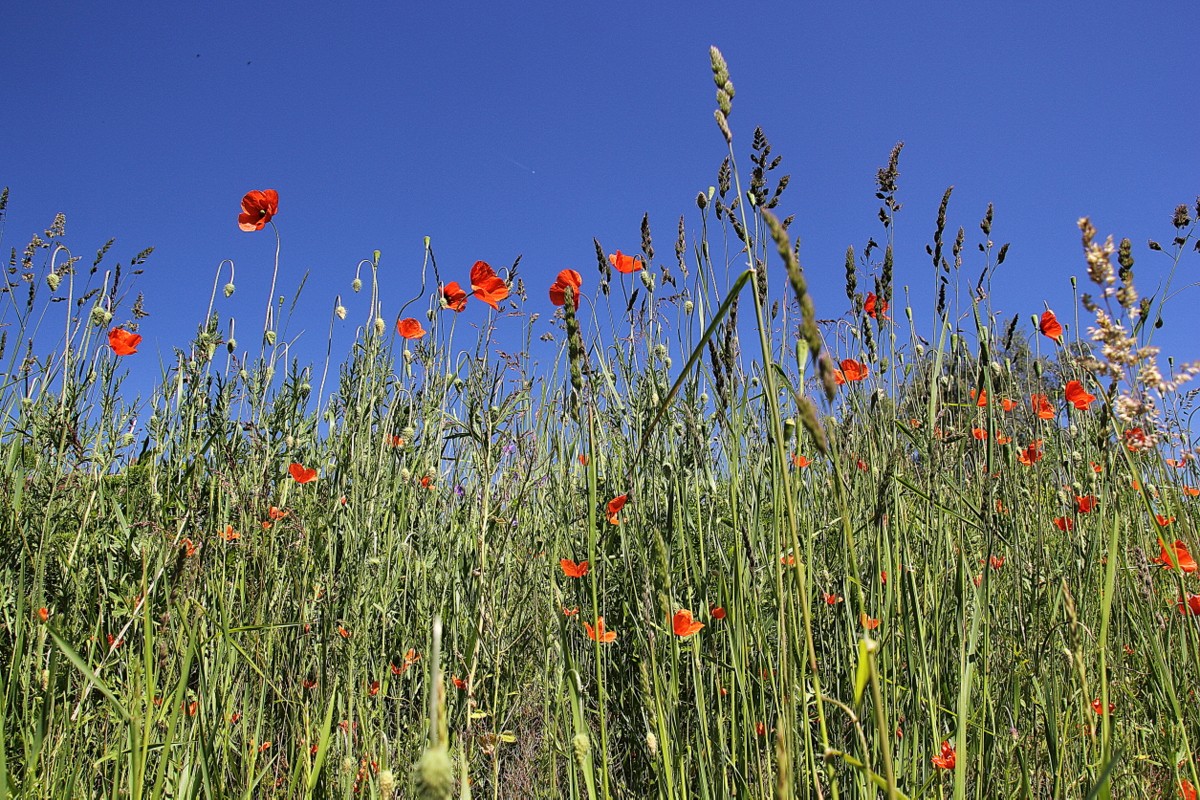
356, 285
229, 290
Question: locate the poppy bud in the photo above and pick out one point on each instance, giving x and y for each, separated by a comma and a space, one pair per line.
647, 279
380, 327
229, 290
52, 280
652, 743
340, 310
702, 200
270, 338
100, 316
688, 306
356, 285
231, 345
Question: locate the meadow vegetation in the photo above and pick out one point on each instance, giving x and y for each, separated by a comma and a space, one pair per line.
714, 547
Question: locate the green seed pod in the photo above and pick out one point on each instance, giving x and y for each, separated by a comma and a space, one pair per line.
434, 778
231, 345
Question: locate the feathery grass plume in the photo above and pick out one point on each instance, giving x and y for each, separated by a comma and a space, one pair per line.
575, 353
808, 328
851, 277
681, 245
724, 92
885, 180
604, 266
647, 245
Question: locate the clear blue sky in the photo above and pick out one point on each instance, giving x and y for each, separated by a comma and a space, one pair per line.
502, 128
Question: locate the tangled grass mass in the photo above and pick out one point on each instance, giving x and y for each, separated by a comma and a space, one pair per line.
717, 548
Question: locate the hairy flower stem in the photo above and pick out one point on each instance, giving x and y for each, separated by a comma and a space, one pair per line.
790, 528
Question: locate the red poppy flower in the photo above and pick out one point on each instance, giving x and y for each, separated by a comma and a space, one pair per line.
1050, 327
760, 729
454, 297
1064, 523
946, 759
870, 623
459, 683
558, 289
573, 570
624, 263
1098, 707
302, 474
343, 632
1186, 790
981, 400
979, 433
873, 305
1191, 491
800, 461
257, 209
1078, 396
1002, 439
1182, 557
883, 577
717, 612
683, 625
410, 328
1031, 454
570, 612
1164, 521
788, 560
996, 562
598, 634
373, 688
229, 534
614, 508
1135, 439
1085, 504
276, 513
43, 614
1189, 606
583, 459
410, 658
122, 342
850, 372
1041, 406
831, 599
487, 285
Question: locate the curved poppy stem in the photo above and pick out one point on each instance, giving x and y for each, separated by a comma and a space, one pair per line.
271, 295
212, 299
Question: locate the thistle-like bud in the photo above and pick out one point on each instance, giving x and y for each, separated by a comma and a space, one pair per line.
688, 306
582, 748
229, 290
340, 310
380, 327
52, 280
356, 285
387, 785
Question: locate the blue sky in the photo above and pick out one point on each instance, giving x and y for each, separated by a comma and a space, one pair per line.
504, 129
